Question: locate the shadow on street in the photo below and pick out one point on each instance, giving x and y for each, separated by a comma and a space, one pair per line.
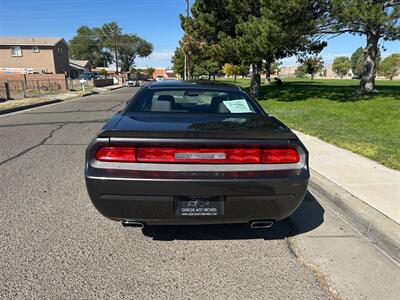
307, 217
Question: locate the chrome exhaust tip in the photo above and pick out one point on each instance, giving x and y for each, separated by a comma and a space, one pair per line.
128, 223
261, 224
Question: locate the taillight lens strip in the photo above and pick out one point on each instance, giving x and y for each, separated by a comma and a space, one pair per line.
116, 154
280, 156
199, 155
143, 154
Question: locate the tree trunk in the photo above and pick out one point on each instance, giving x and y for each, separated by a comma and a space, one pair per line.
255, 80
268, 71
235, 77
367, 83
188, 68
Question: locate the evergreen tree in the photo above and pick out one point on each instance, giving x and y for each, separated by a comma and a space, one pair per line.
375, 19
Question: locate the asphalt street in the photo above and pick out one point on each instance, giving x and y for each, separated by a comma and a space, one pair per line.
54, 244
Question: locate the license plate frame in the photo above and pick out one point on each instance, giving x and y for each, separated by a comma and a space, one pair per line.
199, 206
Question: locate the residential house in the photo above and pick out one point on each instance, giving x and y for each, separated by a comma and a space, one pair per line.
33, 55
164, 72
78, 67
287, 72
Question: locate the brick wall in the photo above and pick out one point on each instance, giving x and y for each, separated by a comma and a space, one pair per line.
45, 82
103, 82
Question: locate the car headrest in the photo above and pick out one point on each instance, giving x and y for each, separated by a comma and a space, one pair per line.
161, 105
222, 109
216, 103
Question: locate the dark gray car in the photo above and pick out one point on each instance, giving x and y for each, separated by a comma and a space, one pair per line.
195, 153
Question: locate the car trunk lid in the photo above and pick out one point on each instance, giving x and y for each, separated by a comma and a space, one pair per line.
199, 126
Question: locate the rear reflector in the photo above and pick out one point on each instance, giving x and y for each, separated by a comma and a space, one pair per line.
116, 154
198, 155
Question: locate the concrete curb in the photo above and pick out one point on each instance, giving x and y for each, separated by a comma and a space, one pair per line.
380, 229
18, 108
117, 87
33, 105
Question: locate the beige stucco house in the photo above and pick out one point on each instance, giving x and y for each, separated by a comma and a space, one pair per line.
33, 55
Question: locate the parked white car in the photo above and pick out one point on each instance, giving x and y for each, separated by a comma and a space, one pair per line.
132, 82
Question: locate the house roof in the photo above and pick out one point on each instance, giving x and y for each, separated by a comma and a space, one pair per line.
30, 41
79, 64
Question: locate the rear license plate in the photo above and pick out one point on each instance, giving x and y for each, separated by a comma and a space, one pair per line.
199, 206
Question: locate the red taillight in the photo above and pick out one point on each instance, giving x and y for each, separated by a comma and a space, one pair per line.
198, 155
116, 154
280, 156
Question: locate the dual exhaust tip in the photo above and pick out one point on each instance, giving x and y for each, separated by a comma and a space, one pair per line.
254, 225
128, 223
261, 224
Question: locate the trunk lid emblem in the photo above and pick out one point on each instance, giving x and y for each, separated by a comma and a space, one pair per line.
192, 155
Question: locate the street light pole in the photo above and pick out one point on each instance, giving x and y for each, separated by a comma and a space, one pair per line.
116, 57
186, 70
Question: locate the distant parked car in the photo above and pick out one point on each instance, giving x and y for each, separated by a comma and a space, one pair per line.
160, 78
90, 75
132, 82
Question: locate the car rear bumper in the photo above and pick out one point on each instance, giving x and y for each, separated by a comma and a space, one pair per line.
152, 201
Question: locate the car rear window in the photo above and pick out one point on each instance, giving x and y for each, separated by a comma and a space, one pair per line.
194, 101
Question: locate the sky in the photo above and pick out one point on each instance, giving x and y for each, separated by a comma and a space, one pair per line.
155, 20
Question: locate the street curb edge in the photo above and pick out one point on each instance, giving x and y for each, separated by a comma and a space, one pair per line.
33, 105
380, 229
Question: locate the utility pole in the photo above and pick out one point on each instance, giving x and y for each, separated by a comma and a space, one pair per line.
186, 74
116, 57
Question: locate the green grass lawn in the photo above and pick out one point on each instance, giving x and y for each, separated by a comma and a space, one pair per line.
332, 111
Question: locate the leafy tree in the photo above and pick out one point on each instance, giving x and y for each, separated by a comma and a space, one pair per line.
227, 69
110, 34
232, 70
341, 66
374, 19
178, 62
250, 32
150, 71
87, 45
131, 46
300, 71
103, 72
243, 70
275, 67
390, 66
211, 22
209, 68
99, 45
311, 65
357, 61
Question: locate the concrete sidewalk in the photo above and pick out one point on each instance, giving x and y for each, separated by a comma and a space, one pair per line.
371, 182
109, 88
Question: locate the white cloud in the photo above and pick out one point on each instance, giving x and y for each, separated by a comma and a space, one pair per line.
160, 55
160, 58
